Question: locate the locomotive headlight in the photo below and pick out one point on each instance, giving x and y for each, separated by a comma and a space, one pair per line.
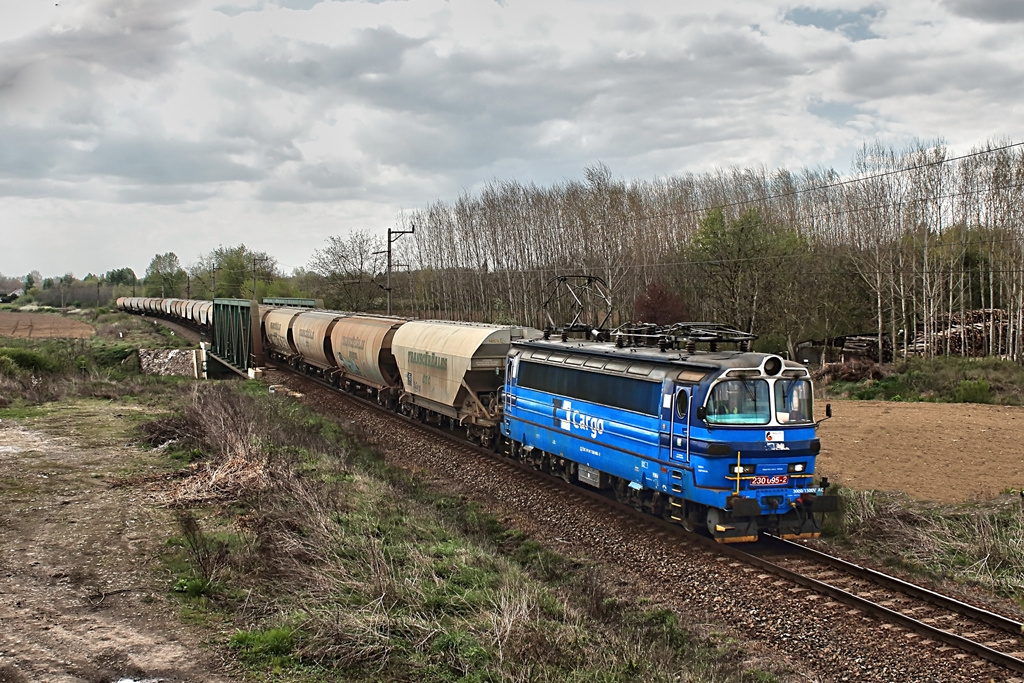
742, 469
797, 466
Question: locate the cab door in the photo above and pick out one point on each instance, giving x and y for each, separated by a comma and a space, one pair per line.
680, 433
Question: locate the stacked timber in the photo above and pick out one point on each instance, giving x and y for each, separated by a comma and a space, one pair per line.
854, 370
862, 346
971, 333
850, 347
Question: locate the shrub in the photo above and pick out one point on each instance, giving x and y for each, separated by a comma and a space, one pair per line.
973, 391
8, 367
30, 360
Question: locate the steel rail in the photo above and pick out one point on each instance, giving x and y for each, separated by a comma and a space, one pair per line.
937, 599
966, 644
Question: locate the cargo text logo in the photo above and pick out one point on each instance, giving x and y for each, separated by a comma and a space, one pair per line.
428, 359
353, 342
566, 418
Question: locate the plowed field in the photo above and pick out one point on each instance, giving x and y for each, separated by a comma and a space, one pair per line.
943, 452
43, 326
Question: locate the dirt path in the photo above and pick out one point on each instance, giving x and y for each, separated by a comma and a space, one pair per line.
79, 602
942, 452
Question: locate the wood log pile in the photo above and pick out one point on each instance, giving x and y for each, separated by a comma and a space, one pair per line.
852, 347
966, 334
866, 346
854, 370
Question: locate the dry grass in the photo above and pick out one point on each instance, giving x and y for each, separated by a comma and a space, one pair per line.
980, 543
39, 371
350, 568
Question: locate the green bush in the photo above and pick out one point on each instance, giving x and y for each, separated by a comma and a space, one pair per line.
973, 391
30, 360
8, 367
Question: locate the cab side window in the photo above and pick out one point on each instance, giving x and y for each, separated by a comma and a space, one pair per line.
682, 401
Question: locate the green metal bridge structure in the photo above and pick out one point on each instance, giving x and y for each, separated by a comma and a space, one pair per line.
236, 345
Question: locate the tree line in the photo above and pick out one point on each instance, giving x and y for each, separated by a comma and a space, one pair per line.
919, 249
911, 241
231, 272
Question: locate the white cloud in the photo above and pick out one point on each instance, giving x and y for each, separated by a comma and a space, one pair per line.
149, 126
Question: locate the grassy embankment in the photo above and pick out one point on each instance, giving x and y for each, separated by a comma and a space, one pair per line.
305, 558
943, 380
333, 566
979, 544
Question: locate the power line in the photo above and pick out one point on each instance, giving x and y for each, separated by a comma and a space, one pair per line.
815, 188
841, 183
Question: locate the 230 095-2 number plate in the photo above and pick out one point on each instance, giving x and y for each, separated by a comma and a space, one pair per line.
777, 480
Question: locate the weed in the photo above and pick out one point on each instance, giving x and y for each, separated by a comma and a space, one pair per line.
461, 651
976, 543
193, 587
208, 555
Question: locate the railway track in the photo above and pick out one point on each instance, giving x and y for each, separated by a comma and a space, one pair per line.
932, 616
915, 615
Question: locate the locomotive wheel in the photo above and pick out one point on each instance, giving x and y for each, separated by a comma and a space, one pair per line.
714, 518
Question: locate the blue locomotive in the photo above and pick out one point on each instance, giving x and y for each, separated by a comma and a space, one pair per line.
722, 439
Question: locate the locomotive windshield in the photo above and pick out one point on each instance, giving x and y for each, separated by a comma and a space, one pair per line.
793, 401
747, 402
739, 402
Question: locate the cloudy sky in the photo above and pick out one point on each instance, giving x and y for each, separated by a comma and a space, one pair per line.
132, 127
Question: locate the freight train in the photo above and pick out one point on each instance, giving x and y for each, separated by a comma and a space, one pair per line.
723, 440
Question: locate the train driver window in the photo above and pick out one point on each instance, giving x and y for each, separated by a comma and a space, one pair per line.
739, 402
682, 401
793, 399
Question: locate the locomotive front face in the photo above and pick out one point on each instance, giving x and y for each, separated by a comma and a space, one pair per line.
748, 401
756, 435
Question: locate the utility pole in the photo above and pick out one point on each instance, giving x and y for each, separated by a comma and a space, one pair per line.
213, 277
393, 236
255, 259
